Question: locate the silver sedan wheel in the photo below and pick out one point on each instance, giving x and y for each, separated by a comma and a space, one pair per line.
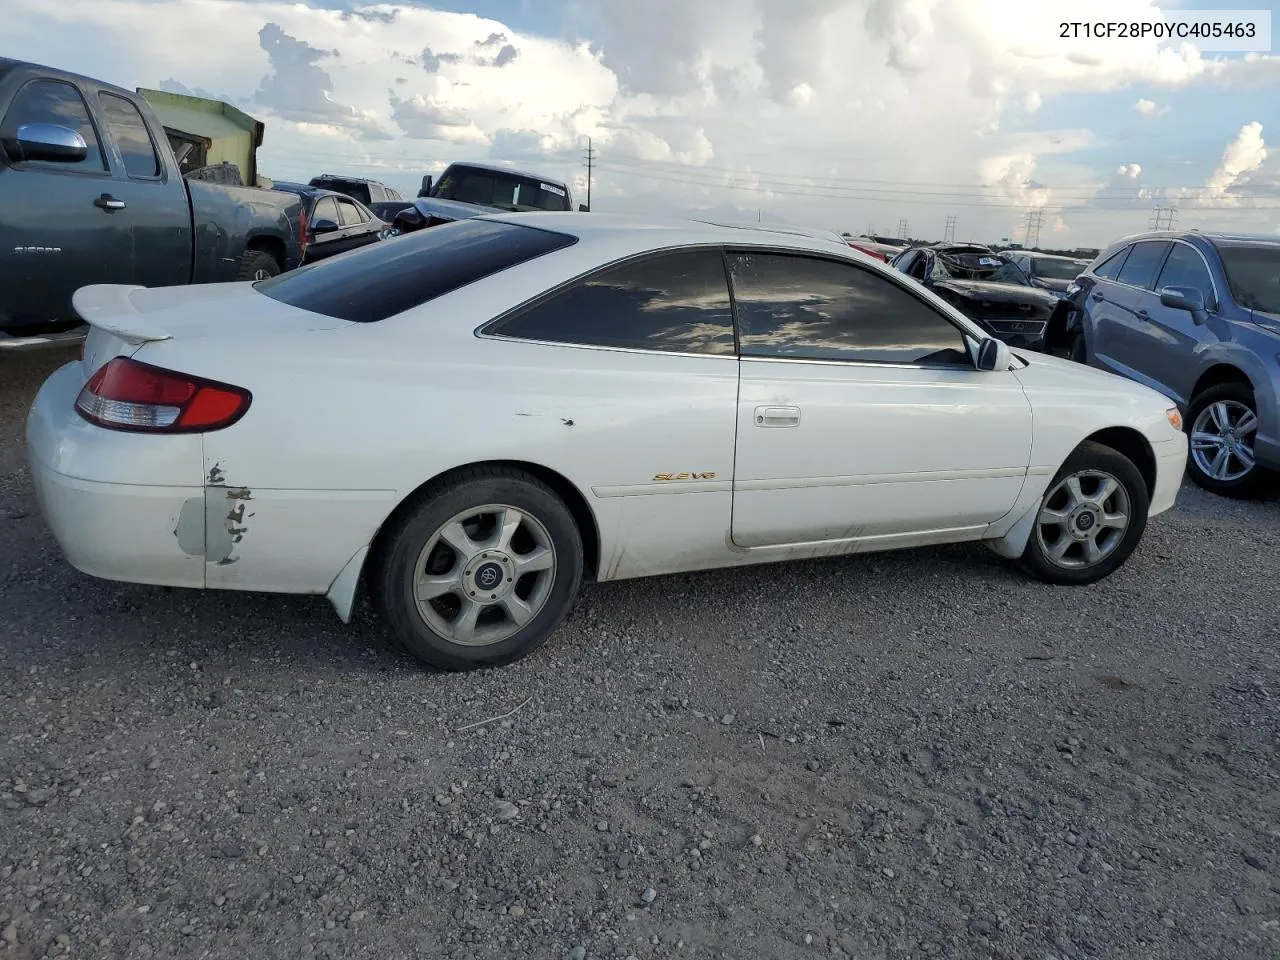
1083, 519
485, 574
1222, 440
262, 273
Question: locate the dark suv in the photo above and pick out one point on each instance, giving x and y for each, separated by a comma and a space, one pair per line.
1197, 317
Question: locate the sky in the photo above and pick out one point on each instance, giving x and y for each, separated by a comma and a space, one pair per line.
840, 114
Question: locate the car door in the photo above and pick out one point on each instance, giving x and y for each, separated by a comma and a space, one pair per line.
860, 413
358, 225
1100, 303
326, 230
1130, 299
1171, 336
154, 198
62, 239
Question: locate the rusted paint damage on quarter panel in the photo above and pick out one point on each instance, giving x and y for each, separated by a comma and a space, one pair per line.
233, 523
214, 524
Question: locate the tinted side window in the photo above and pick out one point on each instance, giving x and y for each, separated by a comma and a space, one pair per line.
130, 133
53, 101
1144, 260
350, 213
382, 279
1109, 269
676, 302
326, 209
807, 308
1185, 268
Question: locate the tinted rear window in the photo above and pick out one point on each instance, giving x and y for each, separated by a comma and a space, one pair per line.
386, 278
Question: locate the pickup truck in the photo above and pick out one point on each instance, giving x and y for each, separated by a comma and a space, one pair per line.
90, 192
471, 189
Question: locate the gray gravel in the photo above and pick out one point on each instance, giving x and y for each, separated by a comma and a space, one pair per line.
900, 755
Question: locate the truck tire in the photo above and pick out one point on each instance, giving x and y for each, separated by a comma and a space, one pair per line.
257, 265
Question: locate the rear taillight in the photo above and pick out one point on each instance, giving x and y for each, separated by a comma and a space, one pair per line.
303, 238
126, 394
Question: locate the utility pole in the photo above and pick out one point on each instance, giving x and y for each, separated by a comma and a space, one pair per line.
591, 159
949, 233
902, 230
871, 229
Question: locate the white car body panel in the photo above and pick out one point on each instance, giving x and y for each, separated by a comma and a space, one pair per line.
349, 419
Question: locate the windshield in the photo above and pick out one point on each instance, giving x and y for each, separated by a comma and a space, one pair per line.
1059, 269
503, 191
352, 188
989, 267
1253, 270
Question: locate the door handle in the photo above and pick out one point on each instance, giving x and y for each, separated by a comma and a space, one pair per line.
777, 416
108, 202
1097, 296
1142, 312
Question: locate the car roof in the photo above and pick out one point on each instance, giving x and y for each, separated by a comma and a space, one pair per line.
8, 65
1035, 254
343, 178
512, 171
653, 233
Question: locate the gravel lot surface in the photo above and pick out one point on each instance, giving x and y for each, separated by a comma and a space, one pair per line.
919, 754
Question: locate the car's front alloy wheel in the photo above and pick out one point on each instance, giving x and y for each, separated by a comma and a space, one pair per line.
1223, 427
1090, 519
479, 570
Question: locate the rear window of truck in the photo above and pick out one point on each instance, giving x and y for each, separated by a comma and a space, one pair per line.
392, 276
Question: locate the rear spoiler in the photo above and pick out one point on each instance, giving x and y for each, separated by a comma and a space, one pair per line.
109, 307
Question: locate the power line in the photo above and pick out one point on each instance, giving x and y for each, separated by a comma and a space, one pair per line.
841, 193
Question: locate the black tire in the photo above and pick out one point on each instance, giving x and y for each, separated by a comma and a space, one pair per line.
1090, 456
257, 265
1077, 351
395, 569
1250, 485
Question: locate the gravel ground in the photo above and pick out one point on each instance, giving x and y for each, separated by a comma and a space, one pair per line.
899, 755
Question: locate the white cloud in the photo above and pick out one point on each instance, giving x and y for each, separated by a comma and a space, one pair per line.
1244, 154
1149, 108
1129, 171
689, 102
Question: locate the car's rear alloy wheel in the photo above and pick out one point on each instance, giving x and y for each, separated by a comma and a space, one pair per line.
480, 570
1090, 519
484, 574
1224, 425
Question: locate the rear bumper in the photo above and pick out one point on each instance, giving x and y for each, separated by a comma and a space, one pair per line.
107, 524
1171, 464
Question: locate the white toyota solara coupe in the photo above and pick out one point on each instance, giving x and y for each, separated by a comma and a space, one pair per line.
478, 416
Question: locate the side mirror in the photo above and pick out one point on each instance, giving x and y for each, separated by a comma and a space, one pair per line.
425, 191
324, 226
994, 355
47, 141
1185, 298
582, 208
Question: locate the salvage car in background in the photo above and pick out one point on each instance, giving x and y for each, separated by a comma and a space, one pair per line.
625, 398
333, 223
1047, 270
1196, 316
471, 189
986, 287
90, 192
